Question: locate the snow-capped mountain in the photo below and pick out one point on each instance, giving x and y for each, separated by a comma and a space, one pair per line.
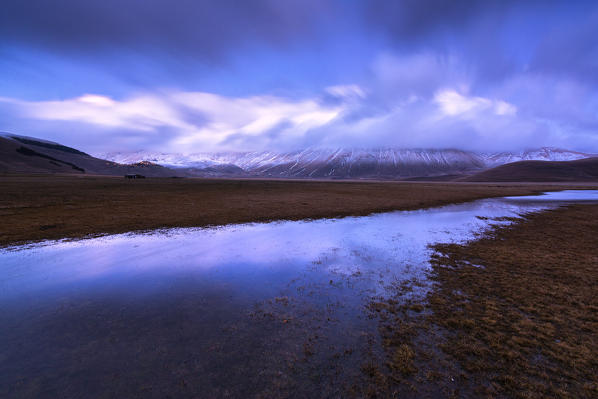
343, 162
539, 154
171, 160
340, 163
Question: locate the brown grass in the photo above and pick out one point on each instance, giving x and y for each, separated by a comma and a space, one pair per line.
524, 325
50, 206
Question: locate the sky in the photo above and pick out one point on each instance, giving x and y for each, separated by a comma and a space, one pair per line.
228, 75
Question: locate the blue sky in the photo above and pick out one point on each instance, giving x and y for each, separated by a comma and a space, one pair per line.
189, 76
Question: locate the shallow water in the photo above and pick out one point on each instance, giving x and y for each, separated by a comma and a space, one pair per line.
560, 196
258, 310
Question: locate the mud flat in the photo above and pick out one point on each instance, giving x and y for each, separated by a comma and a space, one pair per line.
34, 208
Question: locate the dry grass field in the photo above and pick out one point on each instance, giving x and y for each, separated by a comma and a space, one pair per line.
51, 206
512, 315
526, 323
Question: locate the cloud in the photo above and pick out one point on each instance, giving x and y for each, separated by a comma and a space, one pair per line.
570, 49
498, 38
419, 74
273, 74
214, 119
345, 91
192, 28
447, 120
415, 19
452, 103
182, 121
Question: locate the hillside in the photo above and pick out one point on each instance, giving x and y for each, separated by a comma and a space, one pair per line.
29, 155
540, 171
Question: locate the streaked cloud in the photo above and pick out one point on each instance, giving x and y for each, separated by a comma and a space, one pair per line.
190, 75
215, 118
346, 91
452, 103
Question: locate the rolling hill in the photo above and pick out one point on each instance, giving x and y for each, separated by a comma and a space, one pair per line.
20, 154
540, 171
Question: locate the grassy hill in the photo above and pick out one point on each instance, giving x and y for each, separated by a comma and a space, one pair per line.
540, 171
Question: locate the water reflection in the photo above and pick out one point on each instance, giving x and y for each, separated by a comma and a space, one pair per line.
565, 195
266, 310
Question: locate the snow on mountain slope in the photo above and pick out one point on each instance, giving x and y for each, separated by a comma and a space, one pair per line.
172, 160
540, 154
343, 162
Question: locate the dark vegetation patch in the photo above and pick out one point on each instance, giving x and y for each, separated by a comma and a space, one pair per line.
415, 367
52, 146
525, 325
31, 153
435, 178
146, 164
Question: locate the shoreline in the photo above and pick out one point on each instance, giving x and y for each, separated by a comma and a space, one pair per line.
35, 208
512, 313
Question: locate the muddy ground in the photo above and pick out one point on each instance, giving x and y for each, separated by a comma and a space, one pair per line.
41, 207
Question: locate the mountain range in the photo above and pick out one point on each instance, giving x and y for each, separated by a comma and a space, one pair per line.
22, 154
385, 163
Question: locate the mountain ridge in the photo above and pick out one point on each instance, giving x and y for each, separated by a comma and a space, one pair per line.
349, 162
23, 154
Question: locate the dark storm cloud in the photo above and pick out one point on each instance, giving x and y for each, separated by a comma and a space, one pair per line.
571, 51
496, 36
192, 27
471, 29
165, 30
412, 19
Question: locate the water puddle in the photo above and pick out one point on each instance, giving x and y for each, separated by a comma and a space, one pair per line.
253, 310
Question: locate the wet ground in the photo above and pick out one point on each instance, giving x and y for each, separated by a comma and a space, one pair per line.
255, 310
